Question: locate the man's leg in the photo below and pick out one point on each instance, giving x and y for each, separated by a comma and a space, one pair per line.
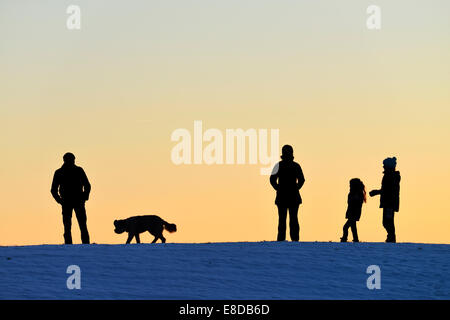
80, 212
294, 227
282, 213
388, 224
67, 221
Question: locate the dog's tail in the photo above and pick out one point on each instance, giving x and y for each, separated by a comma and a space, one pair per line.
171, 227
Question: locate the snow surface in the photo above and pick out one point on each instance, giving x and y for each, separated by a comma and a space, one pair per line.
242, 270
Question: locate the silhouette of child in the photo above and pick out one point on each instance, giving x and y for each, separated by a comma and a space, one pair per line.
356, 197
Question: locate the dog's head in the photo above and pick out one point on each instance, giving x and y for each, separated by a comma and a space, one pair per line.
120, 226
171, 227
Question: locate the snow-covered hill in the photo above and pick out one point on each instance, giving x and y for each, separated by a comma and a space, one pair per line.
244, 270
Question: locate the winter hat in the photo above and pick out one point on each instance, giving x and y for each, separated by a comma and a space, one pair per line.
390, 163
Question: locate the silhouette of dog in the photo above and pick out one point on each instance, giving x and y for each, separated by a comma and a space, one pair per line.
138, 224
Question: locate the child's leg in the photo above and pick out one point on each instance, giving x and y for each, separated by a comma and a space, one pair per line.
345, 229
354, 230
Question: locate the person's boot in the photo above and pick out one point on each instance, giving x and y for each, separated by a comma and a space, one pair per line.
68, 241
391, 239
343, 239
67, 238
85, 237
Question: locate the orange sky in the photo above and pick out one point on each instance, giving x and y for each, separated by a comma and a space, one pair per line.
113, 92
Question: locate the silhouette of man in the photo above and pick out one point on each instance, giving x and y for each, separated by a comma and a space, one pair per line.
287, 179
389, 196
71, 188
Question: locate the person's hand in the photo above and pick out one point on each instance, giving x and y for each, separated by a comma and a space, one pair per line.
373, 193
59, 200
86, 196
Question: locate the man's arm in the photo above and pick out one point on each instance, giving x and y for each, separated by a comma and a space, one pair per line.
55, 188
86, 185
300, 178
376, 192
274, 177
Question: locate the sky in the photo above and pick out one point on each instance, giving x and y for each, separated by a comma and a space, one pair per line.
113, 92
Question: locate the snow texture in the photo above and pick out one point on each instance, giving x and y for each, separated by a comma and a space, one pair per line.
242, 270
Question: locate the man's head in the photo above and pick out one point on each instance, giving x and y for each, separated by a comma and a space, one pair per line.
287, 152
69, 158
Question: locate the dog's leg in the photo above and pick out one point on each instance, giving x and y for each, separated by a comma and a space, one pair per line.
156, 238
160, 236
159, 233
130, 236
138, 240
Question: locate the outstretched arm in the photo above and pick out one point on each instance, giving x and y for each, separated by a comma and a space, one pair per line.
374, 193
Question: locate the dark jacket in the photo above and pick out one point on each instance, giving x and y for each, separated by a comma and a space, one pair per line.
390, 190
287, 179
355, 202
70, 183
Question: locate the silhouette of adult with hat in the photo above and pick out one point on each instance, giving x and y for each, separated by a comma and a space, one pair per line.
389, 196
71, 188
287, 179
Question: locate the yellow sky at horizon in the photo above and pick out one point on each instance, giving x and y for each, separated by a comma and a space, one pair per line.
113, 92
